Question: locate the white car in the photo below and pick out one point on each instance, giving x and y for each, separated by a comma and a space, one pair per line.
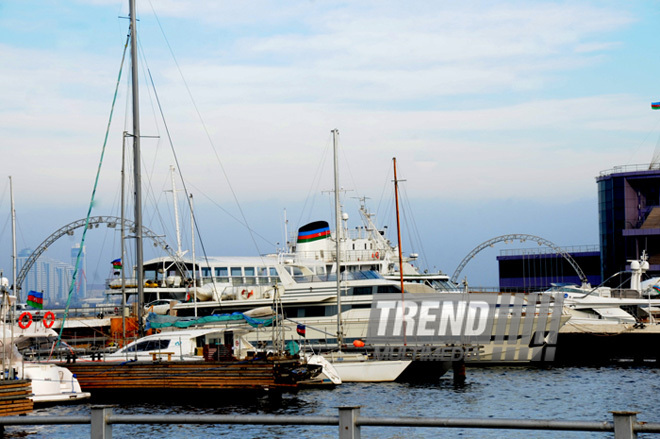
162, 306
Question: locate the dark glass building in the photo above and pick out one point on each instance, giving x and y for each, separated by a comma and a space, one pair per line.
537, 269
629, 217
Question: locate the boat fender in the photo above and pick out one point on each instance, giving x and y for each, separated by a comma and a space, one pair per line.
26, 324
49, 319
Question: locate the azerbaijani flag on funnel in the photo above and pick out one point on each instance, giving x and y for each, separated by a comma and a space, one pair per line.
313, 231
656, 288
655, 105
116, 264
35, 300
300, 329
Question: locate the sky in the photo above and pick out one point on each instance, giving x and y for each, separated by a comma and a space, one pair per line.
500, 114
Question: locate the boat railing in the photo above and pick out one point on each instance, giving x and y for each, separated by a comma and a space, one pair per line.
349, 422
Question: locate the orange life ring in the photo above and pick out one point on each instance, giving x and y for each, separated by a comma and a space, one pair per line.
29, 320
376, 255
49, 319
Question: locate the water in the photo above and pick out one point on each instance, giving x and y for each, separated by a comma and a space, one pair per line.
570, 393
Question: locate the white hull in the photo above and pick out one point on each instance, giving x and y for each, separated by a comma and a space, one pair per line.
358, 368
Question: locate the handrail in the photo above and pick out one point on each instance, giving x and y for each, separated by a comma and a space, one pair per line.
624, 423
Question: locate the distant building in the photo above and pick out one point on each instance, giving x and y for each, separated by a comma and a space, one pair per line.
629, 217
536, 269
50, 276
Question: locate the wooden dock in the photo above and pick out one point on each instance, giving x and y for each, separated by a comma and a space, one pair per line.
15, 397
186, 376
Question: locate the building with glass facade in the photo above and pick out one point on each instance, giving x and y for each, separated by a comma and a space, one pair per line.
536, 269
629, 218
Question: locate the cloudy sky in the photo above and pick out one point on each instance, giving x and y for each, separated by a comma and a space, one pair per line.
500, 115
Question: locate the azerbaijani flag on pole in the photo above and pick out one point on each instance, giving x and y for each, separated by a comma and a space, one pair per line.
655, 105
35, 300
116, 264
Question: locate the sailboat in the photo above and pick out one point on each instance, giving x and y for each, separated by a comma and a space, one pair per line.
355, 366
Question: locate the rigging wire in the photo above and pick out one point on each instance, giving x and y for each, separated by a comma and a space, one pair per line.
208, 136
91, 202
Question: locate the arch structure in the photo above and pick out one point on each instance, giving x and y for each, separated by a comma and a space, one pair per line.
110, 221
505, 238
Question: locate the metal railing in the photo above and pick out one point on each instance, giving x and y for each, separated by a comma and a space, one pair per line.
349, 422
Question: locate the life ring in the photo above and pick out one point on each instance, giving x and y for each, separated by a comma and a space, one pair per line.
29, 320
49, 319
247, 294
376, 255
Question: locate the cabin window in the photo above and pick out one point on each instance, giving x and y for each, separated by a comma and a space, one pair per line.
236, 275
249, 276
222, 274
388, 289
272, 271
149, 345
262, 275
206, 272
362, 291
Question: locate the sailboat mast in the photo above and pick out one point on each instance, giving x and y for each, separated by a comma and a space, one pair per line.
13, 236
398, 234
340, 332
176, 213
136, 169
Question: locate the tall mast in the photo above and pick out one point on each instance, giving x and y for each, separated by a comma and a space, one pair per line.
13, 236
11, 309
136, 169
398, 234
340, 331
194, 266
176, 213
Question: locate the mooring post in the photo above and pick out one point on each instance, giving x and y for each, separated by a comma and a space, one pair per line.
100, 429
458, 366
624, 423
348, 428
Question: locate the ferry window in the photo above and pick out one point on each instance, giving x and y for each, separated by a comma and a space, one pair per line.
236, 272
222, 274
249, 275
273, 271
362, 291
388, 289
297, 271
206, 272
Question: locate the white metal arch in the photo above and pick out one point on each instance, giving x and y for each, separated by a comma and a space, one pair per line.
520, 237
111, 221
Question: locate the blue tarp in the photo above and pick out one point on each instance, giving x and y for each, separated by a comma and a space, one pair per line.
155, 321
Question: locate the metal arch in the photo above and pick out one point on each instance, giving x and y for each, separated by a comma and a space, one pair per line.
537, 239
111, 221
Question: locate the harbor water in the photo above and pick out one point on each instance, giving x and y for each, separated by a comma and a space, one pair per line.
566, 393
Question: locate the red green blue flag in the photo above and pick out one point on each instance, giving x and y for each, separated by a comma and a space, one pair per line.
116, 264
313, 232
655, 105
35, 300
300, 329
